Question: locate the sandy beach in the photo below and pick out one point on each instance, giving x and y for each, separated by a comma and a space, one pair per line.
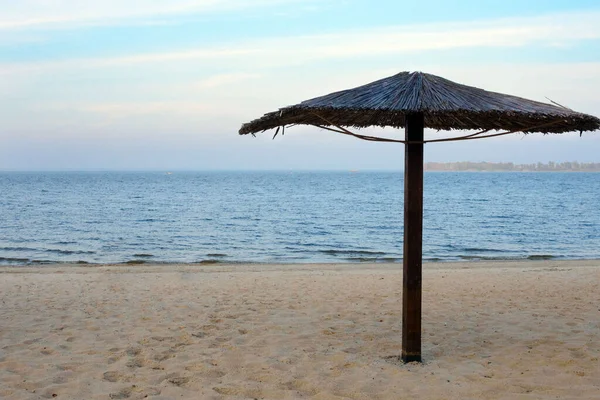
493, 330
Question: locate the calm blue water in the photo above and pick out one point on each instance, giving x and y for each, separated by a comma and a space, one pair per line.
292, 216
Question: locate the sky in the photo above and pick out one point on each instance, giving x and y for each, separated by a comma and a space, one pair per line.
166, 84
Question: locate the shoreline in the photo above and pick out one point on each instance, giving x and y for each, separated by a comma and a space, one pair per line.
292, 266
491, 330
21, 262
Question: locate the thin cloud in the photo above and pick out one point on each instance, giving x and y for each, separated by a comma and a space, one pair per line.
224, 79
142, 108
73, 14
108, 62
513, 32
549, 30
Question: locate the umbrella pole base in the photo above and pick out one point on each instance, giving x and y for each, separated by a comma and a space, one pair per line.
406, 358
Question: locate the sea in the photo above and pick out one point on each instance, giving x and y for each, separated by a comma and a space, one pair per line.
292, 217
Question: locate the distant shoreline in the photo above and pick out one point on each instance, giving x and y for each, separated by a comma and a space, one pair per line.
467, 166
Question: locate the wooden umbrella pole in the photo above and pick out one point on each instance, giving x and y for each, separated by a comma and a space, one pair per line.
413, 238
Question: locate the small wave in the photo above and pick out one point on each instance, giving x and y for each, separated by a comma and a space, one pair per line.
360, 259
135, 262
490, 258
389, 259
27, 261
143, 255
304, 244
478, 249
216, 255
508, 258
541, 257
356, 253
320, 232
210, 261
14, 260
473, 258
67, 252
56, 251
10, 248
372, 259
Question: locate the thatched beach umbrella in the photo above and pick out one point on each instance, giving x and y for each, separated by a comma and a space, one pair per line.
414, 101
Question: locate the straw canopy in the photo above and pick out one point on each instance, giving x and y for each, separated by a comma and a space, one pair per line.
446, 105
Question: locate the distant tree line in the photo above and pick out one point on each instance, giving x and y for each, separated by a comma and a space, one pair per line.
568, 166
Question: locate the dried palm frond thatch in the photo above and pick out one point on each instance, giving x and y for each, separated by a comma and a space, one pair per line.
446, 105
